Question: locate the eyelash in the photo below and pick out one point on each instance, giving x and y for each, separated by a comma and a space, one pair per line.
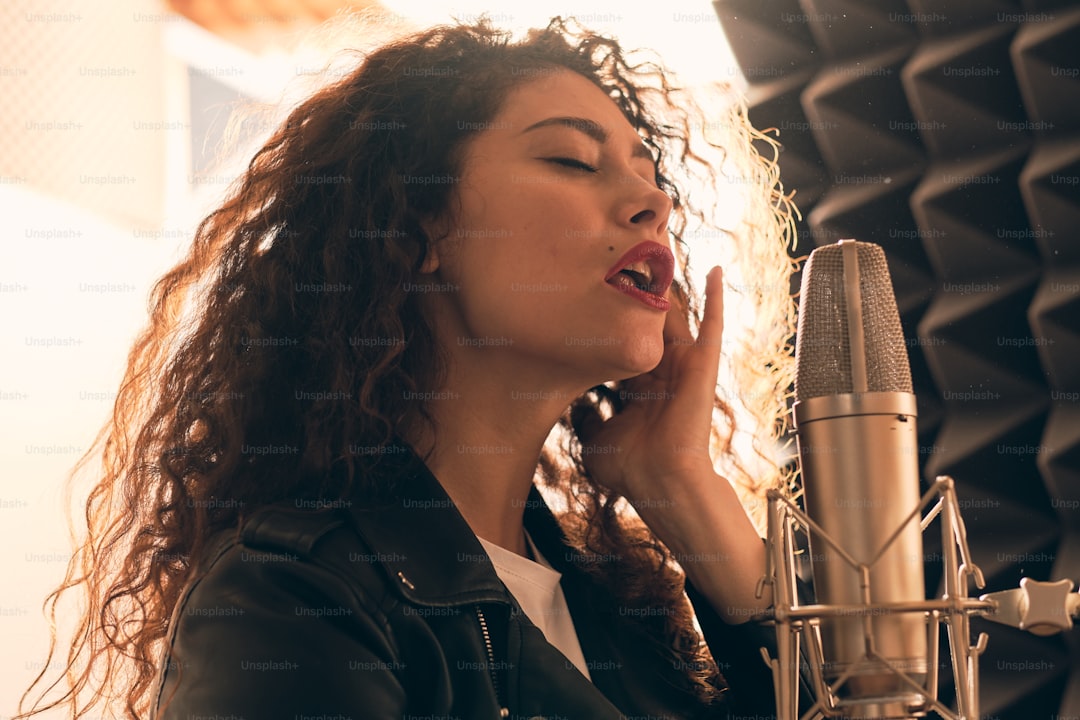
573, 163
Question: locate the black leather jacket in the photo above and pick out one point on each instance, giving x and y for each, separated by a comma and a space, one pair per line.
396, 612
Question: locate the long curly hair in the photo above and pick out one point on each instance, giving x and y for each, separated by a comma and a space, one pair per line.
299, 282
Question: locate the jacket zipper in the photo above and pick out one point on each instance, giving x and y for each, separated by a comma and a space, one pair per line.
503, 710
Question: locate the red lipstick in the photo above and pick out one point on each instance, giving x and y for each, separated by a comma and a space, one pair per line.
645, 273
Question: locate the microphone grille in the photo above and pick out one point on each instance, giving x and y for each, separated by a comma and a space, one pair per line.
823, 345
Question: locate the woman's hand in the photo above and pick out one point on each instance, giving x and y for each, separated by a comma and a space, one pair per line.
655, 452
662, 434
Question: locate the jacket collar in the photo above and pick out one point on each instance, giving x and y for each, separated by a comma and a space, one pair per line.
428, 549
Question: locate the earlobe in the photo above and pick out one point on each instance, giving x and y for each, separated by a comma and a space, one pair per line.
431, 259
431, 254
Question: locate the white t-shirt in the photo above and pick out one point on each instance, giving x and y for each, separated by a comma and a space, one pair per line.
535, 586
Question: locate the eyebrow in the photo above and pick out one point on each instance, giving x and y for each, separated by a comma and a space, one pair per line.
591, 128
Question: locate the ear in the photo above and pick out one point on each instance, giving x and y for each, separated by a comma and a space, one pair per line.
431, 259
434, 231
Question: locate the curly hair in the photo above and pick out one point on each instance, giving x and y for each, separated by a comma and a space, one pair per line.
239, 323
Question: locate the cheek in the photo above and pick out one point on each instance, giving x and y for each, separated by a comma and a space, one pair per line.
529, 251
493, 279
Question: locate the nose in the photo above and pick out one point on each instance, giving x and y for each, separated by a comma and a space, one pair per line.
645, 206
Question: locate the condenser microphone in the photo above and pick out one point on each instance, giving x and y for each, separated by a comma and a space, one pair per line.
855, 423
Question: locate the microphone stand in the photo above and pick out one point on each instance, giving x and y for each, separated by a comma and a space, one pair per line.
798, 625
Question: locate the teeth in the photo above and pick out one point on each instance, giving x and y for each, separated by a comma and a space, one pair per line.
642, 268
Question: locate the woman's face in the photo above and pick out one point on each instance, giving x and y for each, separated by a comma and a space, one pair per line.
556, 258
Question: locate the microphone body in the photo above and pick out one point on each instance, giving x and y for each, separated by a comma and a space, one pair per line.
858, 463
855, 421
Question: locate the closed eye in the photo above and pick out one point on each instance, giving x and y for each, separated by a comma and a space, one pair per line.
572, 163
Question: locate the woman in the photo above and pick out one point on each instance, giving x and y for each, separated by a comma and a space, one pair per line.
318, 496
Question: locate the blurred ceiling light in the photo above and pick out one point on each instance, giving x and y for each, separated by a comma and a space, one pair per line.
686, 34
257, 25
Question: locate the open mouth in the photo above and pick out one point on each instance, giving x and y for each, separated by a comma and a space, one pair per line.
640, 275
644, 272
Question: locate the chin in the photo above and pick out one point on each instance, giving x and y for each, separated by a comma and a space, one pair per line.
639, 355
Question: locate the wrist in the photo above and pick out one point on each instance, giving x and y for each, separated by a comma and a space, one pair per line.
699, 517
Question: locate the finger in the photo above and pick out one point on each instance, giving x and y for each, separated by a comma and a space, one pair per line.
711, 332
690, 367
701, 365
702, 361
705, 355
677, 326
